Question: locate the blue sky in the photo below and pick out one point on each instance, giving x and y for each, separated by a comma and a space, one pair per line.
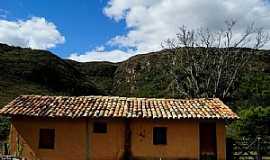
82, 22
114, 30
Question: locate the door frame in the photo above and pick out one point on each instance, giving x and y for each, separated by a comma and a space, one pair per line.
213, 126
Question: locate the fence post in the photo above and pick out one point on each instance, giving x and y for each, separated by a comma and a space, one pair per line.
259, 156
229, 148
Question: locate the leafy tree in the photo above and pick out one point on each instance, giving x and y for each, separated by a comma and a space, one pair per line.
254, 121
209, 63
4, 128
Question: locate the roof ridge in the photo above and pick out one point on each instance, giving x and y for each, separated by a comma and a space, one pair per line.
121, 97
94, 106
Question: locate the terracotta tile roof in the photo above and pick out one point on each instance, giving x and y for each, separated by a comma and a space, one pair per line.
116, 107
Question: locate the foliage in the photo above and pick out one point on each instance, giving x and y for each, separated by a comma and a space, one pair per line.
4, 128
144, 76
254, 121
209, 63
254, 89
100, 73
27, 71
19, 147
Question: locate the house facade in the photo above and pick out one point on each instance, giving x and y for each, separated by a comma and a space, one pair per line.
112, 128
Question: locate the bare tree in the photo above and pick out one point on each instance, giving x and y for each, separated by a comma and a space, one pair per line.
208, 63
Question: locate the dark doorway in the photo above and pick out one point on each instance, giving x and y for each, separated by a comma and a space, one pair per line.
208, 145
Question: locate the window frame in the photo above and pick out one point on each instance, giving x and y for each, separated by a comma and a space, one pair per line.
47, 143
100, 127
160, 136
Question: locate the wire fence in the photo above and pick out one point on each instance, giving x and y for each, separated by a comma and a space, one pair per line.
4, 152
3, 148
248, 149
9, 157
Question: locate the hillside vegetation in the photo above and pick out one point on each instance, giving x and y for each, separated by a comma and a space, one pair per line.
27, 71
148, 76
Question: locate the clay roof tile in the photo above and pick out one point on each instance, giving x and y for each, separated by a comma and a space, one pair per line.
123, 107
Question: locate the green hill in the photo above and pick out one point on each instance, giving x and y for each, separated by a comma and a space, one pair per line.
99, 73
148, 76
28, 71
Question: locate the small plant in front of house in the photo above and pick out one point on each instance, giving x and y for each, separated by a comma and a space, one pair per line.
19, 147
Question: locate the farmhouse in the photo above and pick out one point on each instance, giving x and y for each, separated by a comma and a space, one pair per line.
111, 128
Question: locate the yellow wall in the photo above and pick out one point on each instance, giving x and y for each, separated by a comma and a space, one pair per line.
70, 139
109, 145
221, 140
182, 139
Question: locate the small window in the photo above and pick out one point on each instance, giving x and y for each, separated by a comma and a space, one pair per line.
46, 138
159, 135
100, 127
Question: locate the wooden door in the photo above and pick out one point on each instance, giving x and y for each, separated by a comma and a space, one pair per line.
208, 146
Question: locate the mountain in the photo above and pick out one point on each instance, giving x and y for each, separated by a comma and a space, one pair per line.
144, 75
28, 71
99, 73
148, 76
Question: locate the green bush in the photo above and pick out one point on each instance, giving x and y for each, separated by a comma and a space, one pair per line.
4, 128
254, 121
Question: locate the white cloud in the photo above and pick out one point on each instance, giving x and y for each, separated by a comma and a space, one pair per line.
96, 55
100, 48
149, 22
35, 33
152, 21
